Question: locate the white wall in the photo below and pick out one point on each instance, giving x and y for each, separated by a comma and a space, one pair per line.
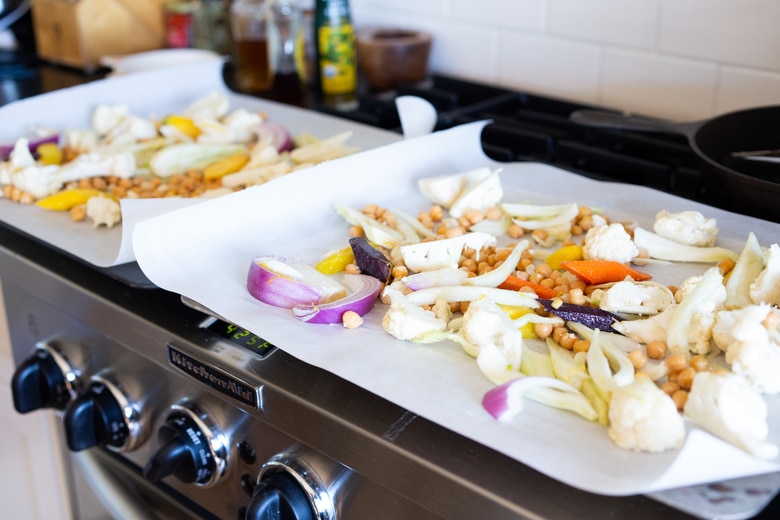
676, 59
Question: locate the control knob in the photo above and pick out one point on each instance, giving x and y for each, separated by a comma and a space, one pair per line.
46, 379
289, 488
102, 415
191, 448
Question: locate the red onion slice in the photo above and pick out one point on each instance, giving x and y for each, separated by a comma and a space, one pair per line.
286, 283
364, 290
34, 143
276, 134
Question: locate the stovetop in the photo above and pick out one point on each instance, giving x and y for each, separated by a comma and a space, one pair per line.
524, 127
529, 127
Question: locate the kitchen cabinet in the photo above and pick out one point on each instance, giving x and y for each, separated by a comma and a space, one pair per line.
32, 471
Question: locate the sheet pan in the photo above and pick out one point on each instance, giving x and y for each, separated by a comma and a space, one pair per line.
203, 253
153, 93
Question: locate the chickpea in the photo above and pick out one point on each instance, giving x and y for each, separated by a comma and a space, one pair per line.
656, 349
726, 265
515, 231
670, 387
637, 358
676, 362
568, 340
581, 345
351, 320
543, 330
685, 378
399, 271
558, 333
699, 363
680, 397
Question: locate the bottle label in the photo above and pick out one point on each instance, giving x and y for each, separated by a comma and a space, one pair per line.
338, 67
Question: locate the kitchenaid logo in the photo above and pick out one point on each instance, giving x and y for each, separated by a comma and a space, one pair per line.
212, 377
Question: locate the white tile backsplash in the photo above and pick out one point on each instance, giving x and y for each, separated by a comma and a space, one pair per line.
678, 59
526, 15
663, 86
617, 22
558, 68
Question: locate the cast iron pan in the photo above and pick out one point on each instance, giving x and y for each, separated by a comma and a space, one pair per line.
742, 185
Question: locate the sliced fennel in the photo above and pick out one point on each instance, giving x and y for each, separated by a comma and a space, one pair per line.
662, 248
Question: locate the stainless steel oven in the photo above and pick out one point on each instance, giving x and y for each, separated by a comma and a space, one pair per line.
166, 411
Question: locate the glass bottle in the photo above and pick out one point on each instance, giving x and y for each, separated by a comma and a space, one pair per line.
286, 37
336, 53
180, 18
249, 20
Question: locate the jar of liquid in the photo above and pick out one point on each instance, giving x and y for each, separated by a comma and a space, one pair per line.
286, 38
249, 20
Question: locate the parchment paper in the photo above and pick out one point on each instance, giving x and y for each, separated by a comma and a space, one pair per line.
203, 252
153, 93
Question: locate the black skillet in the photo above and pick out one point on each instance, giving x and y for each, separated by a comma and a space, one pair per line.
751, 187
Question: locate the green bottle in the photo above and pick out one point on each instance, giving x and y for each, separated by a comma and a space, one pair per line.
336, 54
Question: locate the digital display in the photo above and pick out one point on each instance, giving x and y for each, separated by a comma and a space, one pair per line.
241, 336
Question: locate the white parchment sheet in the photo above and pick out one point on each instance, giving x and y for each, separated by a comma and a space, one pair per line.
154, 93
203, 252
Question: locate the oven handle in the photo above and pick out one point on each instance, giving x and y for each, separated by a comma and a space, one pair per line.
112, 493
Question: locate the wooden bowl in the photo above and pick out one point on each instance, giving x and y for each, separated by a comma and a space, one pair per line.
391, 57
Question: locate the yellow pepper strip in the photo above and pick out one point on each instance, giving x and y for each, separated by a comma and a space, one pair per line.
66, 199
184, 125
225, 166
515, 312
49, 153
563, 254
336, 261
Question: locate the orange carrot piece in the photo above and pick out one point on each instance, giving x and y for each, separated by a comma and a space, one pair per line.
515, 283
602, 271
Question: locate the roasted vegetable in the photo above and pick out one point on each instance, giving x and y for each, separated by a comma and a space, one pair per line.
371, 260
592, 317
595, 272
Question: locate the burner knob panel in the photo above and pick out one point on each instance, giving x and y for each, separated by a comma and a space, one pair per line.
191, 448
288, 488
46, 379
102, 415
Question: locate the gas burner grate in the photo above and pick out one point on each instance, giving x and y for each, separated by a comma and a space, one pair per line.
528, 127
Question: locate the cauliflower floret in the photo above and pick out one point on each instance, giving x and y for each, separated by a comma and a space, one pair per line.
766, 288
686, 227
103, 211
241, 122
406, 321
642, 417
215, 105
686, 287
609, 242
120, 164
724, 404
106, 117
634, 298
80, 140
690, 329
497, 342
648, 329
751, 350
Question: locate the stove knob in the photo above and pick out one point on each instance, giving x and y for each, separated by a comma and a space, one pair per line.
288, 488
103, 416
46, 379
192, 448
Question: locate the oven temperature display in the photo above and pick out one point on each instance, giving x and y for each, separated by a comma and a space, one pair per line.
241, 336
